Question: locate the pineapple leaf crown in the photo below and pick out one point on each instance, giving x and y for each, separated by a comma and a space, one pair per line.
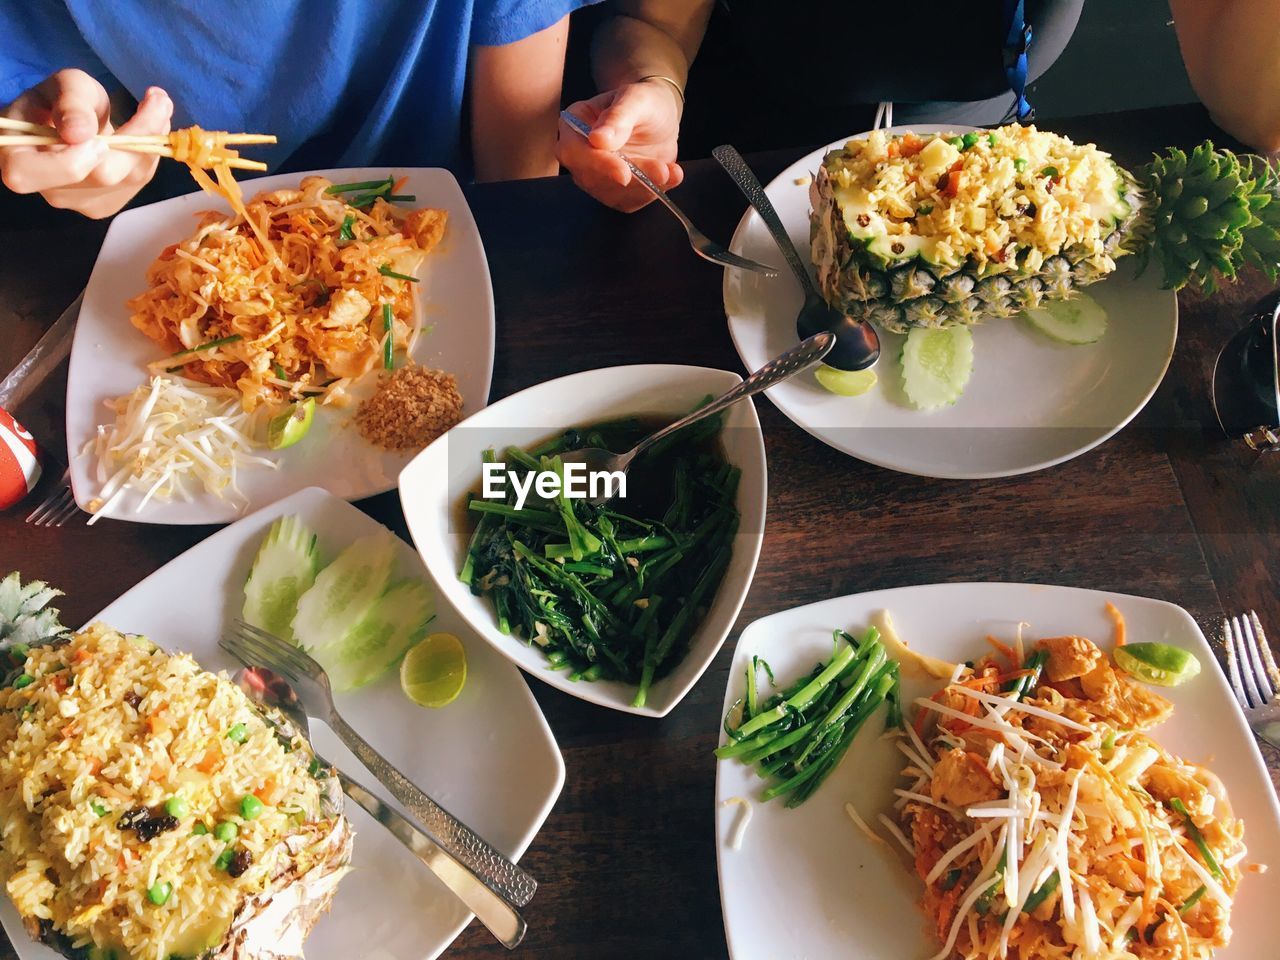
25, 614
1210, 213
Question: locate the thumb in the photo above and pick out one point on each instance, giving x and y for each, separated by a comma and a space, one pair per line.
614, 126
80, 105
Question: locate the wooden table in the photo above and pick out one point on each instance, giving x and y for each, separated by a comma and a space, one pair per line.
626, 860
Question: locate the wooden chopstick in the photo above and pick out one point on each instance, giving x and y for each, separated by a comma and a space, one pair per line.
159, 147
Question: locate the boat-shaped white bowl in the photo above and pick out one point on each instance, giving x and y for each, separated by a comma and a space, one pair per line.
434, 486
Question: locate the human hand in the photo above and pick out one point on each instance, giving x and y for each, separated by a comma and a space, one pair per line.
641, 120
80, 173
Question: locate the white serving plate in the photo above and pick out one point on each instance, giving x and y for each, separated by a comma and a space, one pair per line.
489, 757
432, 488
807, 883
1031, 402
109, 356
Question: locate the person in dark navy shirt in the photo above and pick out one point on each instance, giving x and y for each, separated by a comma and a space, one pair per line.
810, 71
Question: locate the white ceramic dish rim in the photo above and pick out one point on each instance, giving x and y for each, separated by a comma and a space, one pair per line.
479, 615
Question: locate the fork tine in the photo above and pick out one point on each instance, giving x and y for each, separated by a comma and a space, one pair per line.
67, 512
1233, 665
727, 258
1246, 668
252, 655
1255, 657
278, 647
37, 516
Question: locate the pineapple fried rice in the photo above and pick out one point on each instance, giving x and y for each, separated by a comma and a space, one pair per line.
150, 812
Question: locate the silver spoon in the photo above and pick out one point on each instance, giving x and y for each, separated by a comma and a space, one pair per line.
783, 367
857, 345
500, 917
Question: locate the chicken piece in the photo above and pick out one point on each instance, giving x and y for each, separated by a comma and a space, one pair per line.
1165, 781
962, 779
1115, 697
1069, 657
279, 198
347, 308
426, 227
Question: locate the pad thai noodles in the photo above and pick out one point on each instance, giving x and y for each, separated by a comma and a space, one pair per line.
300, 294
1046, 823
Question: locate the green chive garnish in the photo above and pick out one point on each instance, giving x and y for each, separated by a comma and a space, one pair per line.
386, 271
388, 346
344, 232
1197, 837
1192, 900
361, 185
220, 342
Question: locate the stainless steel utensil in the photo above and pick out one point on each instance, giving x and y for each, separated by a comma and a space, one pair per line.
58, 507
499, 917
258, 648
857, 344
1251, 669
783, 367
702, 245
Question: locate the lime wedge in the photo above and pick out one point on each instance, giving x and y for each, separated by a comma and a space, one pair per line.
432, 673
286, 429
847, 383
1158, 663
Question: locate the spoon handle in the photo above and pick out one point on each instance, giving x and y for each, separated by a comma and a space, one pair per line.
782, 367
729, 158
499, 917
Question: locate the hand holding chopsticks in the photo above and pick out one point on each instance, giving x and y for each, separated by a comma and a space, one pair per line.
26, 134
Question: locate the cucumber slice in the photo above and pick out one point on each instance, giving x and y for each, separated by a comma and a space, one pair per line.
396, 621
344, 592
936, 365
284, 569
1078, 320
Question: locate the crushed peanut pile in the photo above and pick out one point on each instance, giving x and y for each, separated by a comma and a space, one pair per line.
410, 408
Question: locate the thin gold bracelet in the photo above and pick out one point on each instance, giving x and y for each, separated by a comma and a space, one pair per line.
674, 85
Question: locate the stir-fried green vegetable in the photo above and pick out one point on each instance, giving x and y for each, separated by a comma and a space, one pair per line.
614, 591
798, 736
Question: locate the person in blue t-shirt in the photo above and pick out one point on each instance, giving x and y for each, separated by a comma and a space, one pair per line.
341, 83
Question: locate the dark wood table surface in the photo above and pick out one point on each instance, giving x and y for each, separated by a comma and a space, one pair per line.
626, 860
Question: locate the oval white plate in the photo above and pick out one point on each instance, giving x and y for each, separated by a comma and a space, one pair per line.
433, 486
109, 357
1031, 403
488, 757
807, 883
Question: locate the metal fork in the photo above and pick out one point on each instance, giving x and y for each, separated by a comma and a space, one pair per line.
58, 507
1252, 672
702, 245
258, 648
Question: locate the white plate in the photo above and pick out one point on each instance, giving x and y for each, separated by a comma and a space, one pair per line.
109, 357
806, 883
433, 486
1030, 404
488, 757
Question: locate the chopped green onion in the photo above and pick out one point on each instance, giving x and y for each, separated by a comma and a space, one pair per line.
1109, 741
1197, 837
386, 271
400, 198
250, 807
344, 232
925, 210
238, 733
23, 680
360, 185
159, 892
1043, 893
1192, 900
176, 806
1049, 172
99, 809
279, 371
220, 342
388, 345
314, 767
1020, 164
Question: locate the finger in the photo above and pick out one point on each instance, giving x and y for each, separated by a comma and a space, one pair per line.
625, 199
589, 110
675, 175
121, 166
79, 105
615, 124
36, 169
578, 156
